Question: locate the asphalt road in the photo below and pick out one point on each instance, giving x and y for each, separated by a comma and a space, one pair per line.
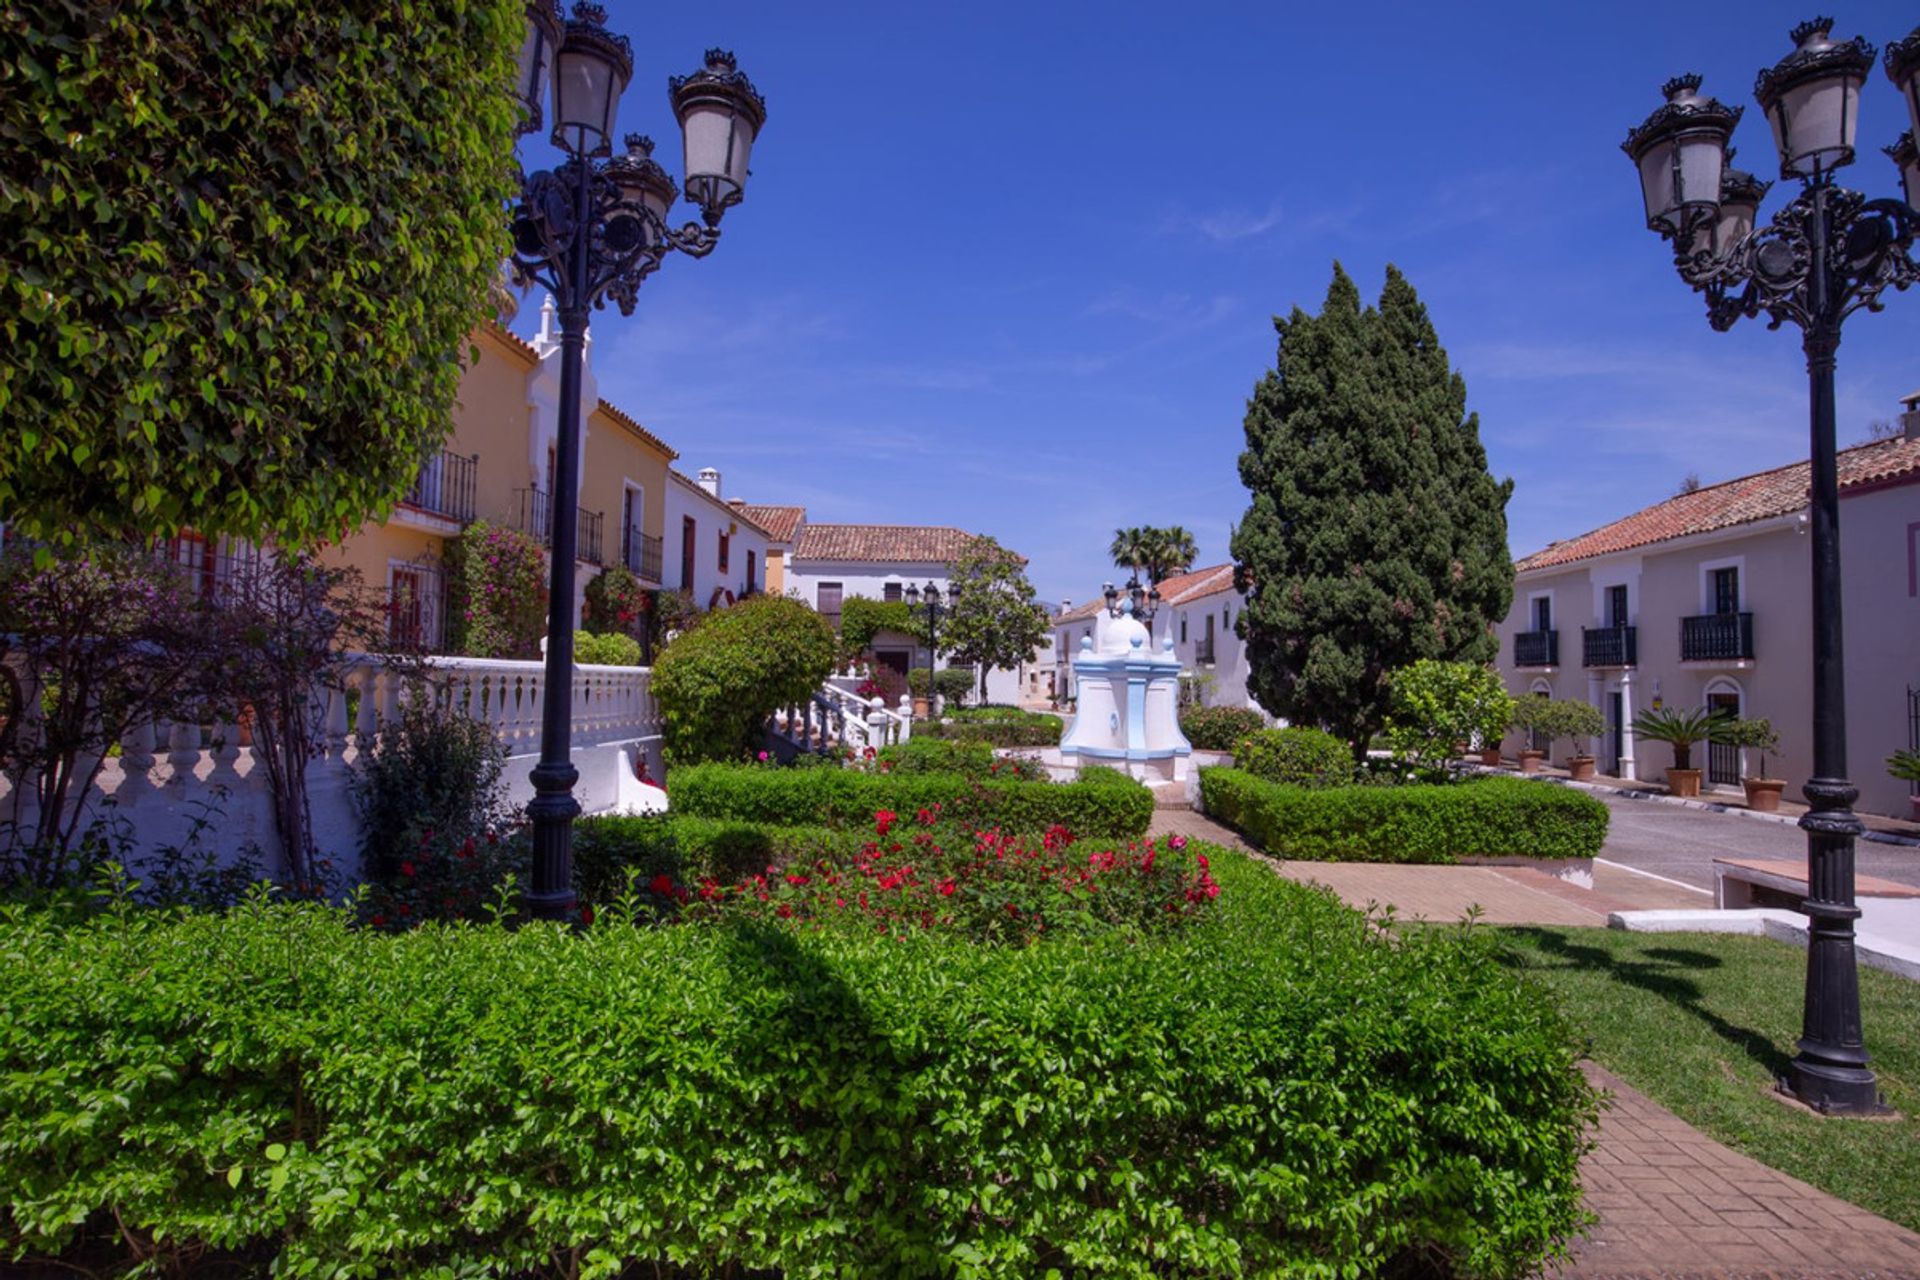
1681, 843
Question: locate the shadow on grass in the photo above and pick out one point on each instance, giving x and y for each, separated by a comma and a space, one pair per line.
1659, 971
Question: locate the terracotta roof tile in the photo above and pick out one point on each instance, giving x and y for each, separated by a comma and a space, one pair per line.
1764, 495
632, 424
1181, 588
898, 543
779, 522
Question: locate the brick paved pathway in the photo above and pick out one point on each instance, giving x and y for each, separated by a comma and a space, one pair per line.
1671, 1201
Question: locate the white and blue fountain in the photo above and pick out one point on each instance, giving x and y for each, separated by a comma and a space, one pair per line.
1127, 712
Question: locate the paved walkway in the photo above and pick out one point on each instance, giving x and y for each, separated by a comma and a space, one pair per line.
1671, 1201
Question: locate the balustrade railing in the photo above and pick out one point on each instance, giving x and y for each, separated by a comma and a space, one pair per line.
1608, 647
1717, 637
1536, 649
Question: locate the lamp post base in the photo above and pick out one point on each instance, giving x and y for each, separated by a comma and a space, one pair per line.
1833, 1090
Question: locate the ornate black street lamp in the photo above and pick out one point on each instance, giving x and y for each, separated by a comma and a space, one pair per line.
931, 611
589, 230
1829, 253
1145, 600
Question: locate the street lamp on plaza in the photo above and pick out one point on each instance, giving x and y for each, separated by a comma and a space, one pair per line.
1145, 600
590, 229
931, 611
1829, 253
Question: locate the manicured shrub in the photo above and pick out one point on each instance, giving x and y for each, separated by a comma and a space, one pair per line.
1436, 705
718, 683
686, 849
997, 726
434, 771
1486, 816
1101, 804
1282, 1088
1296, 757
608, 649
496, 592
970, 759
863, 618
953, 684
1219, 728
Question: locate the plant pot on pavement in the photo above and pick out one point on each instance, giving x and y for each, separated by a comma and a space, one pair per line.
1580, 768
1490, 757
1683, 782
919, 707
1763, 794
1530, 759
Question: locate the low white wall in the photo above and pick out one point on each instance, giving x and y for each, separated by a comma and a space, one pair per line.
169, 775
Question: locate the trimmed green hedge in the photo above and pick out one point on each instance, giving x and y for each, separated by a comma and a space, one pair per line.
1486, 816
999, 727
1297, 756
1219, 728
1283, 1088
1101, 804
686, 849
921, 754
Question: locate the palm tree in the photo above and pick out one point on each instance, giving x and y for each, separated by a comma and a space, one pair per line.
1173, 552
1129, 549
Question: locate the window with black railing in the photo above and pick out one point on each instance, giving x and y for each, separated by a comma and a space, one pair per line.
445, 486
534, 511
1536, 649
642, 553
1608, 647
1717, 637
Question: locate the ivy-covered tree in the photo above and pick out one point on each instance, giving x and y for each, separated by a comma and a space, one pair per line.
1376, 536
996, 621
240, 247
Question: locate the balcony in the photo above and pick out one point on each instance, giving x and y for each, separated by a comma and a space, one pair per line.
1717, 637
1536, 649
641, 553
1203, 651
1608, 647
535, 516
445, 486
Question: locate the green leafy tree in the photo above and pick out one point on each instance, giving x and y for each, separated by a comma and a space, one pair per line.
718, 683
240, 246
1376, 536
1437, 704
995, 620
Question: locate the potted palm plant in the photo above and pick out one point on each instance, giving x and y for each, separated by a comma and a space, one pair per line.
1756, 734
1581, 722
1531, 712
1679, 730
1905, 765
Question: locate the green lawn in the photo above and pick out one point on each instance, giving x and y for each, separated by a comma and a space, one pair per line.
1702, 1023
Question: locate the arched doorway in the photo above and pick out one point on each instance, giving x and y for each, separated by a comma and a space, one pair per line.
1723, 762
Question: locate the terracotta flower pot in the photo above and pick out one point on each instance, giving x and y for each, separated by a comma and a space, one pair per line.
1490, 757
1763, 794
1530, 760
1580, 768
1463, 748
1683, 782
920, 706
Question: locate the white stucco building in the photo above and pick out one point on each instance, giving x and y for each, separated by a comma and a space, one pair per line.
1198, 610
713, 550
1703, 600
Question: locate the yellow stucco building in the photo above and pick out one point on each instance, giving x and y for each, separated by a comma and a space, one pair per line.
497, 465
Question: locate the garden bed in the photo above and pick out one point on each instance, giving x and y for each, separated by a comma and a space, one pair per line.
1277, 1085
1500, 818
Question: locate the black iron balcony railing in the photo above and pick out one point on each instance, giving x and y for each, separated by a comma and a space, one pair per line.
445, 486
641, 553
1608, 647
1203, 651
1536, 649
535, 513
1717, 637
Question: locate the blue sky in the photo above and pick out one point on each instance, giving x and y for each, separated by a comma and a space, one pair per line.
1014, 267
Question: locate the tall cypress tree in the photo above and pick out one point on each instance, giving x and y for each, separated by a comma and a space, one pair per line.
1376, 535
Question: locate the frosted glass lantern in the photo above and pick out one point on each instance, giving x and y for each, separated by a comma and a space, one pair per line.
1812, 99
1903, 68
545, 30
1681, 152
590, 73
720, 114
1906, 154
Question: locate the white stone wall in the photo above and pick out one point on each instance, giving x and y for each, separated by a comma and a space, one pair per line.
710, 515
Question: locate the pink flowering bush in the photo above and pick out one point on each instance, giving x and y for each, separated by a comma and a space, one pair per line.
497, 592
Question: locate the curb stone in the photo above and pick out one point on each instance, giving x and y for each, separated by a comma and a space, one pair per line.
1708, 806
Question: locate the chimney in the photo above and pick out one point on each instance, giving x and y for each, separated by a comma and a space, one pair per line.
710, 480
1066, 603
1910, 420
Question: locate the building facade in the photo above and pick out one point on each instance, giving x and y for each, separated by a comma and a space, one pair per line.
1704, 601
714, 550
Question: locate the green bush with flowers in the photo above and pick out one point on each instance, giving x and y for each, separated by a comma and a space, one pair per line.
616, 604
718, 683
1219, 728
496, 592
1259, 1081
